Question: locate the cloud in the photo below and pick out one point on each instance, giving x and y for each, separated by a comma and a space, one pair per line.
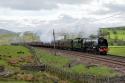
116, 7
37, 4
103, 7
27, 4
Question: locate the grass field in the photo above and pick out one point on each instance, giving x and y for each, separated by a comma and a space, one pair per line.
115, 36
113, 33
13, 51
14, 82
10, 60
117, 50
96, 70
51, 59
61, 61
120, 34
12, 57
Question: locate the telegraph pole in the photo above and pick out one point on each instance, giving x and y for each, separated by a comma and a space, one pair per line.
54, 42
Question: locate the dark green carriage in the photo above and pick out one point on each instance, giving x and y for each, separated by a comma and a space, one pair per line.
65, 44
78, 44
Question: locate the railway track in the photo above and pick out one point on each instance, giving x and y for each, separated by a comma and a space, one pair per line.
116, 63
115, 56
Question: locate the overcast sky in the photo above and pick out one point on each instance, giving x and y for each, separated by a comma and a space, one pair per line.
62, 15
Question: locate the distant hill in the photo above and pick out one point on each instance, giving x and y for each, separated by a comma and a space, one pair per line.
114, 28
3, 31
115, 35
7, 37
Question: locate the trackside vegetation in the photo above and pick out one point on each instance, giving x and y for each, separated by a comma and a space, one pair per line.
117, 50
14, 51
115, 36
49, 58
8, 53
96, 70
12, 57
61, 61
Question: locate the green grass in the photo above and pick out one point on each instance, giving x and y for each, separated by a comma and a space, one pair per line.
14, 82
52, 59
119, 36
8, 53
102, 71
117, 50
3, 62
114, 35
43, 77
60, 61
79, 68
98, 71
13, 51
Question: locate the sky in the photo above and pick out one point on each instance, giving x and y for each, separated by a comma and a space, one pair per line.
64, 16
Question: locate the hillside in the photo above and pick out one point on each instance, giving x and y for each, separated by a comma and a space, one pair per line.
115, 35
3, 31
6, 37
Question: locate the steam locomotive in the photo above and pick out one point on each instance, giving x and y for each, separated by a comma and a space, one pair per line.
96, 46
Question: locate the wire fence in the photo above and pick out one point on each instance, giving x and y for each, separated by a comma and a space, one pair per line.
83, 78
80, 78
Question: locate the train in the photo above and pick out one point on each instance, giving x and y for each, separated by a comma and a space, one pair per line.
95, 46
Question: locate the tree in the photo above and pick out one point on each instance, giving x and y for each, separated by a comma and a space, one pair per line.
114, 32
108, 33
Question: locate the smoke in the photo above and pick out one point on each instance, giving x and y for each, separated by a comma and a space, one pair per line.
21, 34
67, 26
